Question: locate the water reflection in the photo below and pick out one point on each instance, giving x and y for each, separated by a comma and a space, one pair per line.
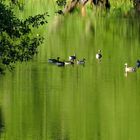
2, 126
45, 102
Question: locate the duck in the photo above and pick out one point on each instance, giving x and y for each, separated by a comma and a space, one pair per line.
60, 63
81, 61
53, 61
138, 63
129, 69
98, 55
69, 62
72, 58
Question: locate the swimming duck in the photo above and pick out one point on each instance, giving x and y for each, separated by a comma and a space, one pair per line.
81, 61
129, 69
138, 63
69, 62
98, 55
72, 58
53, 61
60, 64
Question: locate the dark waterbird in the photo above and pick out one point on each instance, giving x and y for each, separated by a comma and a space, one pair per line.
72, 58
81, 62
53, 61
60, 64
138, 63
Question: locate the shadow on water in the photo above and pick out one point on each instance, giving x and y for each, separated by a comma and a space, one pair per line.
2, 126
58, 132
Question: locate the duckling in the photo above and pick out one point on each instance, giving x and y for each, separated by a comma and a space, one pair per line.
129, 69
138, 63
98, 55
81, 61
72, 58
53, 61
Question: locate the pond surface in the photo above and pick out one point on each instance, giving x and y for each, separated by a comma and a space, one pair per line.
40, 101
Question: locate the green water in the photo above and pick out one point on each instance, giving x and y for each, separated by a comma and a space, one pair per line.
39, 101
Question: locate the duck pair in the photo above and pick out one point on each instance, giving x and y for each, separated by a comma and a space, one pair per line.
63, 63
73, 58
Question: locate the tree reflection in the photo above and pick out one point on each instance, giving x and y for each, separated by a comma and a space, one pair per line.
2, 126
